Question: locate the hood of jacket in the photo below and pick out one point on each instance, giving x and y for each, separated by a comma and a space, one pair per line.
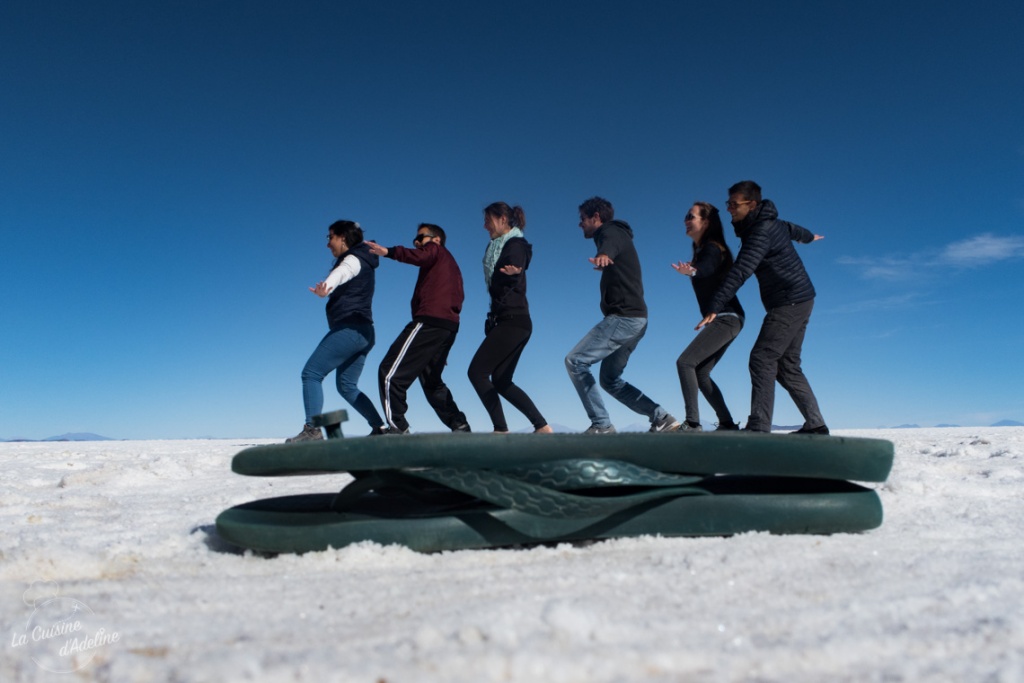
765, 211
362, 252
615, 224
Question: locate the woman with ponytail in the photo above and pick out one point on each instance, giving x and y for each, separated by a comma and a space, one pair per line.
708, 267
508, 326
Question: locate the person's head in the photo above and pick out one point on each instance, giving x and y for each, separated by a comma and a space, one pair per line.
427, 233
342, 236
594, 213
704, 226
703, 223
744, 197
499, 218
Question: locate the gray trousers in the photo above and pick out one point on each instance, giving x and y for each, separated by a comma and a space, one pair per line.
695, 364
776, 357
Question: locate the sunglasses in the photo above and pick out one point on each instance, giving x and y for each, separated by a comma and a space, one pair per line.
689, 217
422, 236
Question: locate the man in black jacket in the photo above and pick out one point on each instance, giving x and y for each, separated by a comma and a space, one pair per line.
613, 339
788, 296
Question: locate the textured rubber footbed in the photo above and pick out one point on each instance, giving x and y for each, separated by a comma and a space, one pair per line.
786, 455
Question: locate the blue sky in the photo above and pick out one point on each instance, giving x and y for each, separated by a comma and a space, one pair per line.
168, 172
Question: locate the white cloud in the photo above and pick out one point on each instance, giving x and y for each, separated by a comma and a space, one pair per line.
975, 252
982, 250
880, 268
896, 302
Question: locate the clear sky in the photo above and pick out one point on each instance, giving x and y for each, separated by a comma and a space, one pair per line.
168, 171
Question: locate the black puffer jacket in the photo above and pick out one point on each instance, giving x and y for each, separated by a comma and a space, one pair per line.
767, 251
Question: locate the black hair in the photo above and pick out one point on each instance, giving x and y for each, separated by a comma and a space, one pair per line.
348, 231
513, 214
435, 229
599, 205
748, 189
714, 233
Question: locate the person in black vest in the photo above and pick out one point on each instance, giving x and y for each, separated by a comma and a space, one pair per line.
708, 267
349, 292
788, 296
508, 327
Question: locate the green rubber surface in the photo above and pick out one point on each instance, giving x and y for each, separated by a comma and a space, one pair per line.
783, 455
731, 505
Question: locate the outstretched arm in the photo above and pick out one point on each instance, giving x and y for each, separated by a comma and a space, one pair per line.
685, 268
601, 261
800, 234
376, 248
345, 271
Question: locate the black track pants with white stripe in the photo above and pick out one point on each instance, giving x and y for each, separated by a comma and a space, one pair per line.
421, 351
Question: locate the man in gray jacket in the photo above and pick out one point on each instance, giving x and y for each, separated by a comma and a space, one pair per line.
766, 250
612, 340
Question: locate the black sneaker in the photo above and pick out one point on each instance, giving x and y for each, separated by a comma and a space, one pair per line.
690, 427
378, 431
308, 433
812, 430
464, 427
726, 427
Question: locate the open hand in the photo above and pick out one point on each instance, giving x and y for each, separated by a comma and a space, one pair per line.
684, 268
376, 248
706, 321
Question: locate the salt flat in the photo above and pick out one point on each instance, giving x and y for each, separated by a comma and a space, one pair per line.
122, 532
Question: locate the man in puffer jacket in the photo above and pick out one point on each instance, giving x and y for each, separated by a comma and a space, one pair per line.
766, 250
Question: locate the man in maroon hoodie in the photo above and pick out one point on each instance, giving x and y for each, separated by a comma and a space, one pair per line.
421, 350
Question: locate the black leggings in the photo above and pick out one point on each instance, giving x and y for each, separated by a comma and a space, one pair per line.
492, 367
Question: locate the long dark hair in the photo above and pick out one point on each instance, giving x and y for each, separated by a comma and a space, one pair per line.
513, 214
714, 232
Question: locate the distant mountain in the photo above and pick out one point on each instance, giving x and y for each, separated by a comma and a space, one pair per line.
907, 427
1008, 423
79, 436
945, 425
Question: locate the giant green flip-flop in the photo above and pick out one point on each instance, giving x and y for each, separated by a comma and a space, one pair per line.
436, 492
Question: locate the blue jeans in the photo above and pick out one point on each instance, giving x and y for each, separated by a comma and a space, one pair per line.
611, 341
344, 351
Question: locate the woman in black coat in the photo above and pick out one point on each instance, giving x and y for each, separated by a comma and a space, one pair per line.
708, 267
508, 327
